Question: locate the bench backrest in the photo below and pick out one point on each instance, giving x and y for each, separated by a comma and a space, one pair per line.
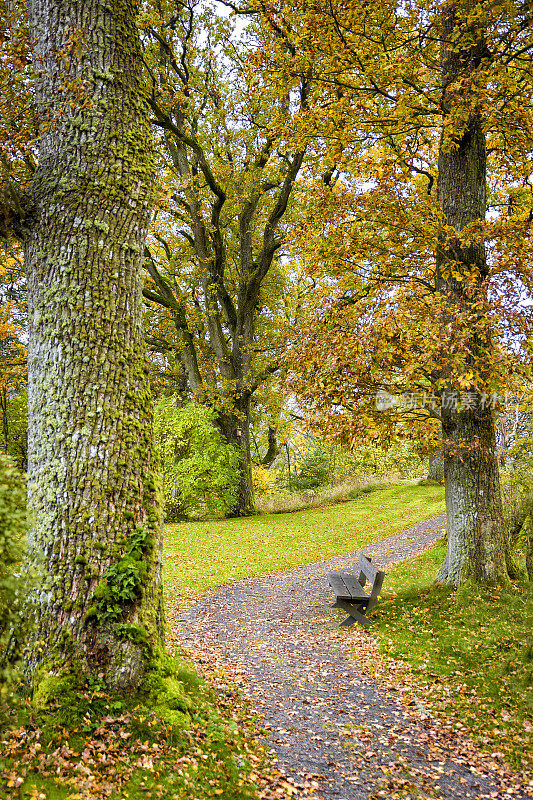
367, 571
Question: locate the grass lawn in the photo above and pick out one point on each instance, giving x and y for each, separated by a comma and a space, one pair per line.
467, 653
199, 556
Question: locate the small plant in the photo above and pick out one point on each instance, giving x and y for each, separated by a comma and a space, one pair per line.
175, 508
121, 585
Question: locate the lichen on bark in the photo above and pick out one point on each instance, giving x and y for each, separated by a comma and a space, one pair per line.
476, 543
92, 479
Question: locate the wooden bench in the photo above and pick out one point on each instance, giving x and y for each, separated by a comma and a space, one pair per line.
349, 592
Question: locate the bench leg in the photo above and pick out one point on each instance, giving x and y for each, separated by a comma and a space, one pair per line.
347, 622
355, 613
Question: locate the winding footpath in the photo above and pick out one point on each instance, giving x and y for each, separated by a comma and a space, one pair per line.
337, 733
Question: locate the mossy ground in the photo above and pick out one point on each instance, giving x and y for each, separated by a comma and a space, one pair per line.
176, 739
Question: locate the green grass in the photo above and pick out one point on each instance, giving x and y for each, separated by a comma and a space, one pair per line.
199, 556
468, 655
469, 652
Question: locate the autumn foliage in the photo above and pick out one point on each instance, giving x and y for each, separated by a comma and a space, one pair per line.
418, 234
18, 120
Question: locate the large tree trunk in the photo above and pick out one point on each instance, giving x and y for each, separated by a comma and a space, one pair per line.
92, 488
476, 544
235, 428
436, 464
5, 421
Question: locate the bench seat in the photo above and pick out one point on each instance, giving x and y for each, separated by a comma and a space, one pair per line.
350, 594
346, 587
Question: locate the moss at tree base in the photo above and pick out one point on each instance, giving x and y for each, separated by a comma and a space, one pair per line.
68, 693
174, 737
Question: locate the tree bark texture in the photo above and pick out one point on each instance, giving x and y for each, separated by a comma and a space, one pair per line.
436, 465
476, 544
235, 427
93, 493
5, 421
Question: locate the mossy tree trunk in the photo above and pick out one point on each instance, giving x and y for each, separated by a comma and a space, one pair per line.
93, 493
476, 542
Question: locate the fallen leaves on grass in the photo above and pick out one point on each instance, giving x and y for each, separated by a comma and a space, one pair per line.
446, 738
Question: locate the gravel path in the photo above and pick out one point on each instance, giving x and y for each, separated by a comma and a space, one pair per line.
336, 732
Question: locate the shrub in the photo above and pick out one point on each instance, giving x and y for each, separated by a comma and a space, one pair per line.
265, 481
200, 470
12, 588
314, 471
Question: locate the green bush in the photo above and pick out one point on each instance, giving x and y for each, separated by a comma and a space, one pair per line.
200, 470
315, 471
12, 588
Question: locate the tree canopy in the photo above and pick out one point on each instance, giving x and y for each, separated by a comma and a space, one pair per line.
229, 169
421, 231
